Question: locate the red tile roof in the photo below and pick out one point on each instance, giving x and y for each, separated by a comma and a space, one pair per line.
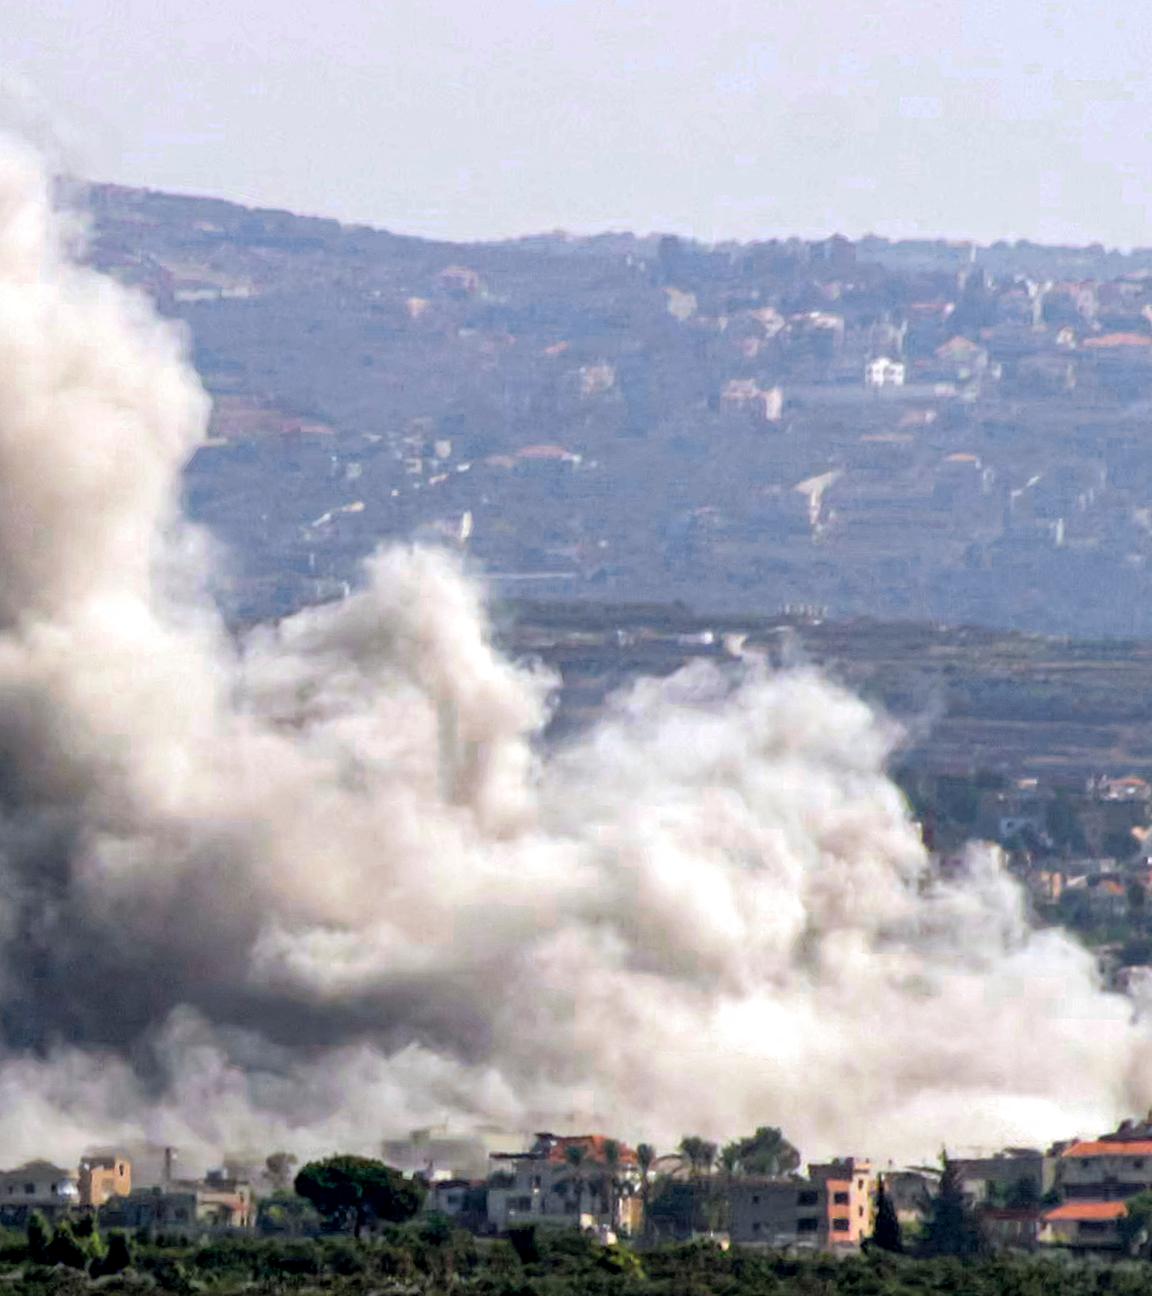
1109, 340
1105, 1148
1086, 1210
593, 1145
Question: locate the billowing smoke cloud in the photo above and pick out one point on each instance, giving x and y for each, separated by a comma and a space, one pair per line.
326, 884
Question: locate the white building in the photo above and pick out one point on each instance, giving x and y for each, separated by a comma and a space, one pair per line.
884, 372
38, 1185
542, 1186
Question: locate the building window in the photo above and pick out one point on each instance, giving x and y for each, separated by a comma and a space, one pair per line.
840, 1224
808, 1224
807, 1199
755, 1199
756, 1227
1138, 1163
841, 1199
30, 1189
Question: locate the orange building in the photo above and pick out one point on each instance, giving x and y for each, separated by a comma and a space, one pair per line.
104, 1177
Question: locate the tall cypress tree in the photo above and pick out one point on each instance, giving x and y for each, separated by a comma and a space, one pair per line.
952, 1227
886, 1232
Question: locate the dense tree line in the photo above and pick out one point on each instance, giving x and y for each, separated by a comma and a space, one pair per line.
430, 1258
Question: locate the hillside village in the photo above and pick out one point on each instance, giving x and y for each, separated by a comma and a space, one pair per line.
764, 441
919, 430
1073, 1196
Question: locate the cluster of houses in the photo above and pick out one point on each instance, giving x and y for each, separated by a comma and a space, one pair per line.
1083, 850
1072, 1196
103, 1183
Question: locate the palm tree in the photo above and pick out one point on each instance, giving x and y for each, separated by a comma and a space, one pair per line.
707, 1158
767, 1152
576, 1154
612, 1179
645, 1158
700, 1156
691, 1151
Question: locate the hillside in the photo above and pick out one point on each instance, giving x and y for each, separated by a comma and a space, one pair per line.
622, 419
970, 700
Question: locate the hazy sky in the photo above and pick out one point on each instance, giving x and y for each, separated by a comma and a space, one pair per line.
720, 118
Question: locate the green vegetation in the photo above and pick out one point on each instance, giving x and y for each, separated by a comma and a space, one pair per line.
430, 1258
72, 1245
767, 1152
887, 1235
952, 1227
355, 1192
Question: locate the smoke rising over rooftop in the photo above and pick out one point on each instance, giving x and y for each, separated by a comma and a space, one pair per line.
324, 884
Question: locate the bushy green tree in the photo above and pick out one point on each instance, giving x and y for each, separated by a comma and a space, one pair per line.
1135, 1225
351, 1191
38, 1237
116, 1258
767, 1152
287, 1213
66, 1248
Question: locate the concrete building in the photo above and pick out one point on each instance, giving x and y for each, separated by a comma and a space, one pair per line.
37, 1186
463, 1201
104, 1177
1012, 1176
1095, 1178
830, 1210
884, 372
216, 1203
1107, 1169
1083, 1225
541, 1186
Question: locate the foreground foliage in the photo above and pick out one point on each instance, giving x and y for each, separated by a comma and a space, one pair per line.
433, 1259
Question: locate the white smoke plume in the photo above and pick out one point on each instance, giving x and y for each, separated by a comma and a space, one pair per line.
326, 884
